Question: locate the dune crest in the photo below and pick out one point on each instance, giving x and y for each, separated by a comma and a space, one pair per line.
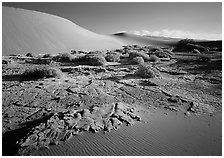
31, 31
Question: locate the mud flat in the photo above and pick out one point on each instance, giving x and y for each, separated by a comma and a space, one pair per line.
161, 133
69, 114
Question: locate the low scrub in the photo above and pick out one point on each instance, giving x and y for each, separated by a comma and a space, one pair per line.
112, 57
64, 57
154, 58
95, 60
137, 61
29, 55
47, 56
147, 71
139, 54
39, 72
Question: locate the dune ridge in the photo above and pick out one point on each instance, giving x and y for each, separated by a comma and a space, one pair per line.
31, 31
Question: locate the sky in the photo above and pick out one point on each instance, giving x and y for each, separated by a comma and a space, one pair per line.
201, 20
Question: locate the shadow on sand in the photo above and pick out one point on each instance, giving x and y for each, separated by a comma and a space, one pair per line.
9, 139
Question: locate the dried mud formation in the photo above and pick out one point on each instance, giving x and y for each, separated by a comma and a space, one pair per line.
38, 113
62, 126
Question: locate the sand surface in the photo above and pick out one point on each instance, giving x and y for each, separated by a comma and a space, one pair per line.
31, 31
26, 31
180, 107
163, 133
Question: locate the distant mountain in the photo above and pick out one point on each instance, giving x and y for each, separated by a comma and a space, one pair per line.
31, 31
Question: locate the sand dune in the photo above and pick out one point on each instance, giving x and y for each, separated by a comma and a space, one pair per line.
30, 31
130, 39
26, 31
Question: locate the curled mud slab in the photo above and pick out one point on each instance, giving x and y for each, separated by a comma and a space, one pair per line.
64, 125
164, 133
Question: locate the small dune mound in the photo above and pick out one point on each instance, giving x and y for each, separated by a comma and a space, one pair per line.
147, 71
39, 72
137, 61
154, 58
112, 57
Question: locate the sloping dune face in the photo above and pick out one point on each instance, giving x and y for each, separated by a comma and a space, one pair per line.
130, 39
30, 31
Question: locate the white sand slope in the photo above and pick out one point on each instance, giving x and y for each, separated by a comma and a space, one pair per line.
30, 31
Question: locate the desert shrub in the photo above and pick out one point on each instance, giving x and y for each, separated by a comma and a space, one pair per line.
113, 57
188, 45
137, 60
196, 51
139, 54
153, 49
169, 52
64, 57
47, 56
97, 53
154, 58
29, 55
39, 72
95, 60
161, 54
147, 71
122, 56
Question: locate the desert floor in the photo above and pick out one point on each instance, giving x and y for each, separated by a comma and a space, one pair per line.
176, 113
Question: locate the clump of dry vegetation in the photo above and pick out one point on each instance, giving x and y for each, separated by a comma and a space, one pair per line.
154, 58
112, 57
29, 55
95, 60
39, 72
137, 60
147, 71
139, 54
47, 56
64, 57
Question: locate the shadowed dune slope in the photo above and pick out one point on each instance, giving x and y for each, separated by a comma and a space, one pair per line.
31, 31
130, 39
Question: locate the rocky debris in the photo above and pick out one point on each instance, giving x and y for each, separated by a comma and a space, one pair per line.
63, 125
173, 99
198, 108
171, 107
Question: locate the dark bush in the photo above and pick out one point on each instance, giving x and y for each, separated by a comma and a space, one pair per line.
112, 57
64, 57
95, 60
137, 60
39, 72
47, 56
147, 71
29, 55
188, 45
